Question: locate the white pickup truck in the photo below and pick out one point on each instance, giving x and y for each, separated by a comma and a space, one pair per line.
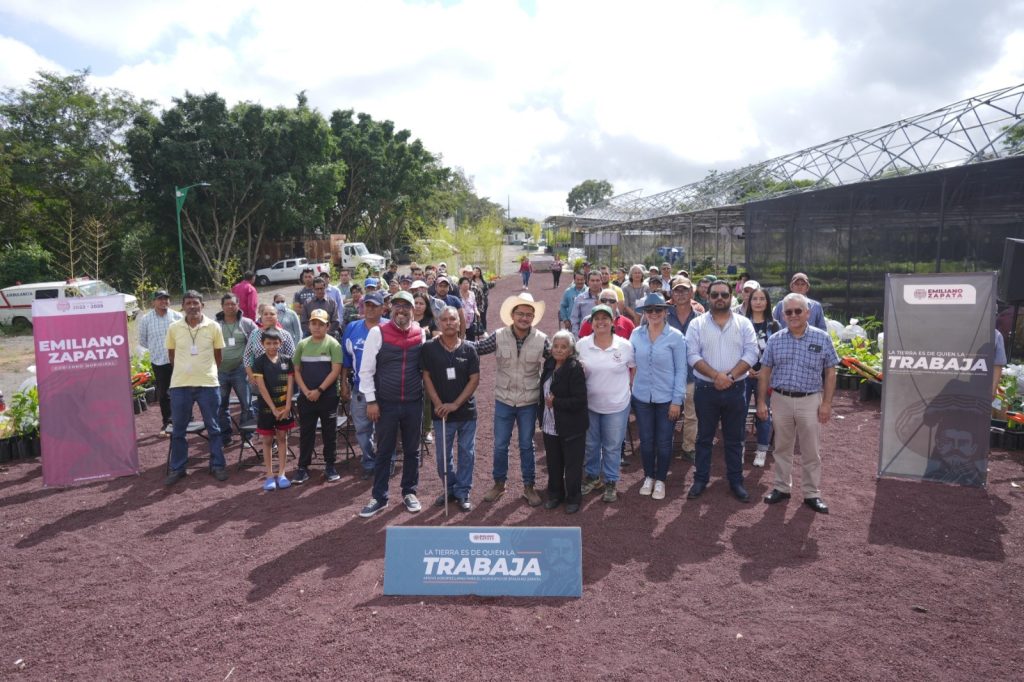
289, 270
354, 254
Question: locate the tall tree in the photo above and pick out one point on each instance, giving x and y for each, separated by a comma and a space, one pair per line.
63, 161
390, 180
271, 173
588, 193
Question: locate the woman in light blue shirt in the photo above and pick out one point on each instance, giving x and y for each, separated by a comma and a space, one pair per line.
659, 386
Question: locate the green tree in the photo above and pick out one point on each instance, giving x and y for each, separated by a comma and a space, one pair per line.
272, 173
63, 161
588, 193
1013, 141
390, 183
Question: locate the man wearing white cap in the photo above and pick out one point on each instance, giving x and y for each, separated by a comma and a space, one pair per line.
519, 349
749, 287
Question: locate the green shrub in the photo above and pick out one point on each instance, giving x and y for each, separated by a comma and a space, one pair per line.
26, 263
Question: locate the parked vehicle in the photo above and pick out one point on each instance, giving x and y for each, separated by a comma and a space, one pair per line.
16, 301
354, 254
289, 270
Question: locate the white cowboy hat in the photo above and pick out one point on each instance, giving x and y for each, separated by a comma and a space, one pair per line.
522, 298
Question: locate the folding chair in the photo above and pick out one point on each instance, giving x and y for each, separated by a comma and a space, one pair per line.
194, 428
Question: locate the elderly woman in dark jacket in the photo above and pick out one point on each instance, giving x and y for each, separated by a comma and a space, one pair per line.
564, 422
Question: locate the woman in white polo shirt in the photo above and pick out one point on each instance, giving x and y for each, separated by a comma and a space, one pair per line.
607, 360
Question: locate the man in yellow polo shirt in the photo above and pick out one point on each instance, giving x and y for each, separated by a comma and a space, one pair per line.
194, 345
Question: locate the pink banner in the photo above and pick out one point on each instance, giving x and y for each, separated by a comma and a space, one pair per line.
86, 421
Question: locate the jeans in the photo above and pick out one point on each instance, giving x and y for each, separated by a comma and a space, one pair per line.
405, 419
505, 417
364, 429
605, 437
728, 407
324, 410
655, 437
556, 275
162, 380
182, 400
237, 380
460, 479
565, 467
526, 279
763, 428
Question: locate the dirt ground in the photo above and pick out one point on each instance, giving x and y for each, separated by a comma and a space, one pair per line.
127, 580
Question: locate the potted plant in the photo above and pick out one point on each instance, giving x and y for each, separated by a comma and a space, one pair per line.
24, 413
7, 439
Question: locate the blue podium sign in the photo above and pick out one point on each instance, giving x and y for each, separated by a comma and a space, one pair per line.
488, 561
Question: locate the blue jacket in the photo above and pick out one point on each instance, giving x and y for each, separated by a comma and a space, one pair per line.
565, 309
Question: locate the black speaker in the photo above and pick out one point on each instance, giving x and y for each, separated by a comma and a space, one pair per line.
1011, 277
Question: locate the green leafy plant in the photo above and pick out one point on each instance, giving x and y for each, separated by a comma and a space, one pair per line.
23, 412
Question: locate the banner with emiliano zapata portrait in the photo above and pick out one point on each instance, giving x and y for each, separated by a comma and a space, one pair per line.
937, 385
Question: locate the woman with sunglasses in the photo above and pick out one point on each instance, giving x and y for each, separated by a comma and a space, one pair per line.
659, 385
757, 310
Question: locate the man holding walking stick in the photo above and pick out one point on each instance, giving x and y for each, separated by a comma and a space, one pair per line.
451, 374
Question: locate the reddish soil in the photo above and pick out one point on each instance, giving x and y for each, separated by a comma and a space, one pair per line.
128, 580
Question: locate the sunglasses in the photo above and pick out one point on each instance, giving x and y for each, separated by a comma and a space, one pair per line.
654, 311
609, 301
793, 311
719, 294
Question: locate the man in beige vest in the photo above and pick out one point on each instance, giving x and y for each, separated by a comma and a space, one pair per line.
519, 350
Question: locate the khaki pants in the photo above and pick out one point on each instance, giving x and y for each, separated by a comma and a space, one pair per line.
797, 419
689, 420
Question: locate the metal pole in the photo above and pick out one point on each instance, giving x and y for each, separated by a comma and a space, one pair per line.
444, 454
179, 199
942, 220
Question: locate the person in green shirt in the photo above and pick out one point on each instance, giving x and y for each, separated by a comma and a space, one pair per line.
317, 366
231, 374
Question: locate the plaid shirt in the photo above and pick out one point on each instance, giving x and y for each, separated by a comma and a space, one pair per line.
797, 363
153, 334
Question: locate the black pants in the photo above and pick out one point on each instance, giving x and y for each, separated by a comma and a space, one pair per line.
162, 379
326, 410
565, 467
556, 275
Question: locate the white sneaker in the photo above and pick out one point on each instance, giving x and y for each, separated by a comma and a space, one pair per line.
760, 457
429, 437
648, 485
659, 491
412, 503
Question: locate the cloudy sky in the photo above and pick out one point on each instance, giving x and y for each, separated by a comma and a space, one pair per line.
531, 97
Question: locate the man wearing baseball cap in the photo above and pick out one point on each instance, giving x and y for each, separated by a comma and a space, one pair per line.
152, 336
317, 363
800, 284
352, 343
392, 384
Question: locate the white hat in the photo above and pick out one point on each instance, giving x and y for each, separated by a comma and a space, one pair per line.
752, 284
418, 284
522, 298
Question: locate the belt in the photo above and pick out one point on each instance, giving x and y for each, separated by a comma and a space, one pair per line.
793, 394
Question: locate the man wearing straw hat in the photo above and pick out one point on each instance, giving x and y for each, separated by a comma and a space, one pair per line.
451, 374
520, 349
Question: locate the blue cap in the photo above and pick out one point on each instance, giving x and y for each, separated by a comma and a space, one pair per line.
371, 282
652, 301
375, 298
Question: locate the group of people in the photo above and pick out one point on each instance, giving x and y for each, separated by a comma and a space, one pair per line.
404, 353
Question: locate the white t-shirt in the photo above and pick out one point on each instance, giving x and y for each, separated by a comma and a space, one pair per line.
607, 373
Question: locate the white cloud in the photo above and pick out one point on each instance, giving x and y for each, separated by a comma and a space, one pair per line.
19, 63
646, 95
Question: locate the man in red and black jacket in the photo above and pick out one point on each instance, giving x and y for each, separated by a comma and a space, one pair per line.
391, 382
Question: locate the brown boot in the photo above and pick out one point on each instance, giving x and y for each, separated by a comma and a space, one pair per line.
495, 492
531, 496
